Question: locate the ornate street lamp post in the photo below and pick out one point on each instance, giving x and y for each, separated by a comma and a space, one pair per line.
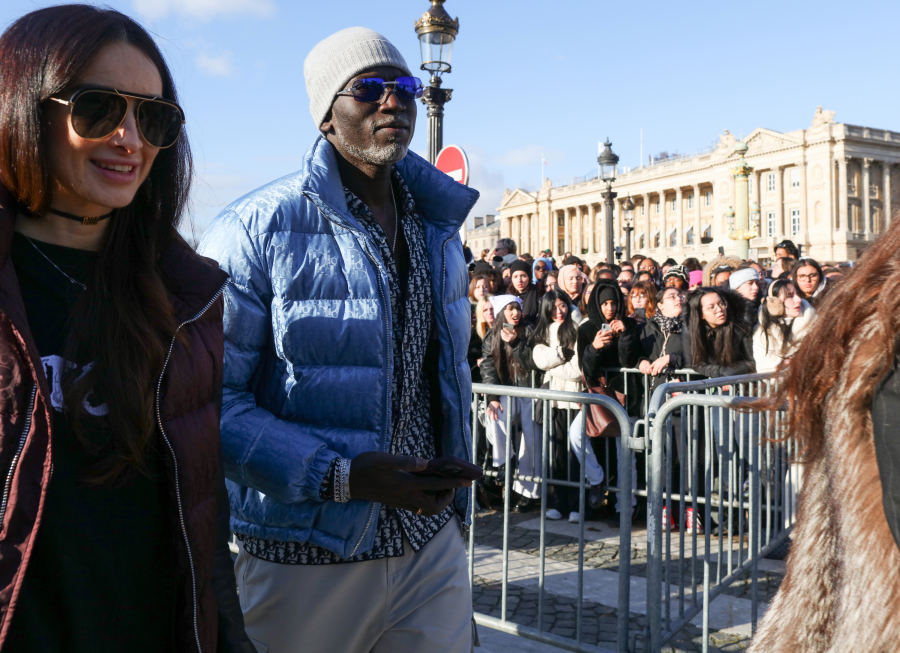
436, 32
607, 162
628, 214
742, 232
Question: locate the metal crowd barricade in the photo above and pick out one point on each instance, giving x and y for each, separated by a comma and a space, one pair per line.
731, 467
545, 479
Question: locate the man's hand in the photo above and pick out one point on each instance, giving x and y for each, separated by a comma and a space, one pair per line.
645, 367
602, 339
660, 364
387, 479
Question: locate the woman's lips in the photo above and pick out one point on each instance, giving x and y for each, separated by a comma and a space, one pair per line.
116, 175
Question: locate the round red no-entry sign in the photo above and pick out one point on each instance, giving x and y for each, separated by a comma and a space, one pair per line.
452, 161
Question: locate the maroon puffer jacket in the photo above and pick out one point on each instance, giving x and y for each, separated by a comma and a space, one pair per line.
188, 415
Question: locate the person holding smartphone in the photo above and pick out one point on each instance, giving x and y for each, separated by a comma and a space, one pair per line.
507, 353
346, 371
607, 341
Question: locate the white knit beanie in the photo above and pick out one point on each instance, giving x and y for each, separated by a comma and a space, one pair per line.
739, 278
340, 57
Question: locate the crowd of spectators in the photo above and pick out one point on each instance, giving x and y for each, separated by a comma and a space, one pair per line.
567, 325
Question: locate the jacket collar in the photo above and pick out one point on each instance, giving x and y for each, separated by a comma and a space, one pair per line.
441, 202
192, 280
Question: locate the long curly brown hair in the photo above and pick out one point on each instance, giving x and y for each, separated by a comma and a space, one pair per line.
847, 350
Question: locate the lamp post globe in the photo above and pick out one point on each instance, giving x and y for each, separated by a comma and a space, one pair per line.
436, 32
607, 162
628, 215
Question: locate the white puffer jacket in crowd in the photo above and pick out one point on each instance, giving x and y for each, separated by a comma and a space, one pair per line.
768, 359
563, 375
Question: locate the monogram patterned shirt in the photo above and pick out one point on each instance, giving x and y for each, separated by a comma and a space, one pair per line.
412, 432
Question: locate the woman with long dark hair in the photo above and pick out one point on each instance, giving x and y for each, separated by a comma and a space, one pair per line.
507, 360
554, 345
115, 519
717, 342
840, 397
784, 318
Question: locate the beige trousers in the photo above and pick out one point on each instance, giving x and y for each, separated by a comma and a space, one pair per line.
420, 602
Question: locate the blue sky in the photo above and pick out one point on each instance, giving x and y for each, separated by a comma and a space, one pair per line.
528, 78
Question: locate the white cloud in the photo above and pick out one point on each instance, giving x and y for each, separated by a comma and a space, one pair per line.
203, 9
220, 66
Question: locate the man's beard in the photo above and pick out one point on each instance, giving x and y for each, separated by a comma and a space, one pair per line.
374, 154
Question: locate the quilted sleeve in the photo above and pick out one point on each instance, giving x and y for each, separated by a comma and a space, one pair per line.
284, 460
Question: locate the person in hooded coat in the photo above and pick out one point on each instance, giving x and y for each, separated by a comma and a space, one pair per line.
600, 351
521, 286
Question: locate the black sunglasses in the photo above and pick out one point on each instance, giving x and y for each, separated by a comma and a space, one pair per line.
375, 89
96, 112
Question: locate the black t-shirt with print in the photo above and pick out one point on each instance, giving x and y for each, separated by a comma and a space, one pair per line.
101, 574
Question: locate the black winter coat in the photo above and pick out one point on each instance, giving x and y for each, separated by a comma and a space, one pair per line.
655, 344
531, 303
742, 341
521, 349
474, 354
623, 351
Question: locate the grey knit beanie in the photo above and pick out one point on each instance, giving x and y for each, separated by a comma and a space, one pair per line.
739, 278
338, 58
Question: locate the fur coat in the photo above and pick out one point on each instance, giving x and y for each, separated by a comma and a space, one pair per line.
842, 588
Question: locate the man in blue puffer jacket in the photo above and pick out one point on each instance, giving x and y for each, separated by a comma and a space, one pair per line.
347, 325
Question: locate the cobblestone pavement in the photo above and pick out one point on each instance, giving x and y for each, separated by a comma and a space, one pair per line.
599, 622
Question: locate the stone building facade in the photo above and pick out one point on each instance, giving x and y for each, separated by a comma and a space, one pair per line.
829, 188
485, 235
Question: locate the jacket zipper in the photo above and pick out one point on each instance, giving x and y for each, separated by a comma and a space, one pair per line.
388, 355
159, 423
15, 461
466, 524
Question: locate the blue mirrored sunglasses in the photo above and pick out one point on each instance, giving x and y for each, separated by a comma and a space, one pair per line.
375, 89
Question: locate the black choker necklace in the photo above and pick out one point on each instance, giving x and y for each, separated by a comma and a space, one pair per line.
77, 218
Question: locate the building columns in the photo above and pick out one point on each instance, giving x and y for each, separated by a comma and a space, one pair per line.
866, 201
592, 229
680, 215
779, 202
887, 199
843, 222
698, 227
646, 223
579, 222
804, 221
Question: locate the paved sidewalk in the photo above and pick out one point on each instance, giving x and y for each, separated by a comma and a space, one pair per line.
729, 616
